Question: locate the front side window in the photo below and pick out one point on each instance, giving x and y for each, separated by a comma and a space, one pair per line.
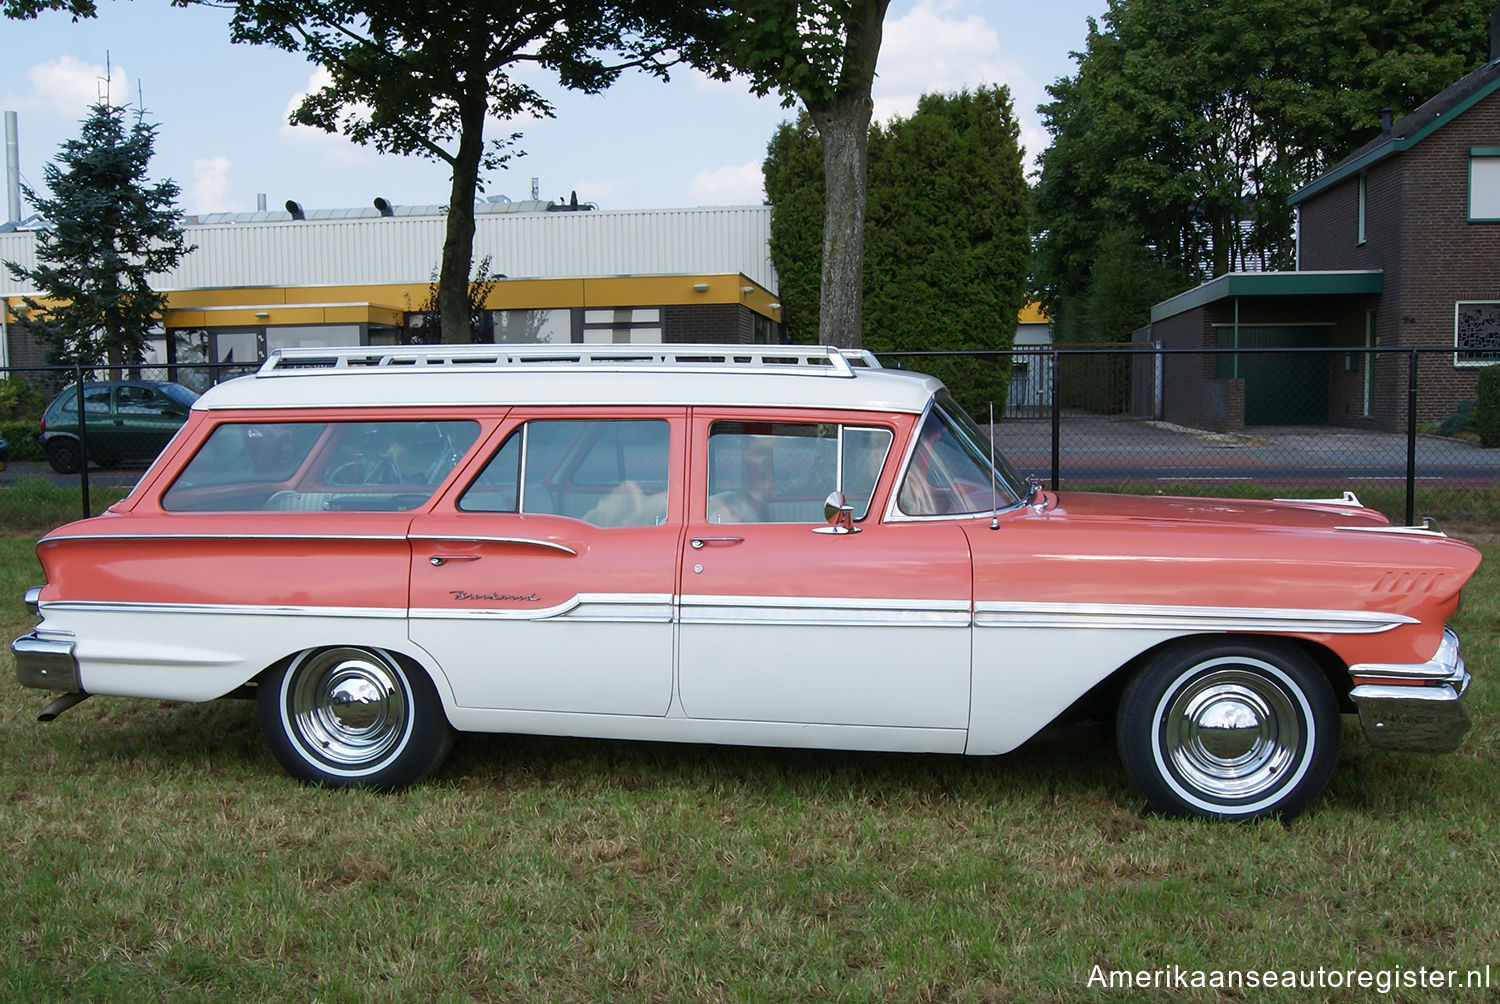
607, 472
950, 472
342, 466
781, 472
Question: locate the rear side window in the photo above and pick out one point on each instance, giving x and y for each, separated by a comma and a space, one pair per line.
339, 466
608, 472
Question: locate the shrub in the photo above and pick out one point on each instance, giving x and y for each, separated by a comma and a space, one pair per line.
1487, 406
21, 435
20, 399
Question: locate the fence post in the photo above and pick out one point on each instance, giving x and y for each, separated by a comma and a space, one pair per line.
1411, 439
83, 441
1056, 421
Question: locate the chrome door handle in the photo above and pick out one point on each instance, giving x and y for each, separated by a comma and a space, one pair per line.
438, 560
699, 543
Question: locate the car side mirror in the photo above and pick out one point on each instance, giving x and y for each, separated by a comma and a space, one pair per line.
839, 514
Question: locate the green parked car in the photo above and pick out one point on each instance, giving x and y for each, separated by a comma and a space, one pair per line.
127, 421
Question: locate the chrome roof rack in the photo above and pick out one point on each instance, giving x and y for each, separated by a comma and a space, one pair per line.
813, 360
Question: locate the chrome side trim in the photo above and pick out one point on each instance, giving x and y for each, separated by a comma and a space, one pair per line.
224, 609
34, 601
616, 608
1349, 499
45, 664
1408, 531
824, 610
224, 536
1153, 617
477, 539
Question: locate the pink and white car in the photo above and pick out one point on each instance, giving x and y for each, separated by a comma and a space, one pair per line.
756, 545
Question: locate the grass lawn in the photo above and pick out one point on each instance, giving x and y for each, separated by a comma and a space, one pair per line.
156, 851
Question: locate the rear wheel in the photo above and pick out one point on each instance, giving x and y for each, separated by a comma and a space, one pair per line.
64, 455
353, 716
1229, 728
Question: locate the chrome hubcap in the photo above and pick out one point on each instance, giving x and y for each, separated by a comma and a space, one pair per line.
348, 706
1231, 733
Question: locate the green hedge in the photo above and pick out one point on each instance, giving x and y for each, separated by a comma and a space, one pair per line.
21, 434
1487, 406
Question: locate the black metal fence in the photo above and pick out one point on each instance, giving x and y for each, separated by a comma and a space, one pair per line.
1389, 424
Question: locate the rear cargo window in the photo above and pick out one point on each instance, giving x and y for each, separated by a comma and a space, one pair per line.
308, 466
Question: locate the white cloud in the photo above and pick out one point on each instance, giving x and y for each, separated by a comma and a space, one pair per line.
938, 48
333, 146
71, 86
932, 50
209, 192
734, 185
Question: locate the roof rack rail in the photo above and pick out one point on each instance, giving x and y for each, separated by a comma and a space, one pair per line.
813, 360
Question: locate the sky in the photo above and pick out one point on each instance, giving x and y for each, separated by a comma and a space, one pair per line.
221, 109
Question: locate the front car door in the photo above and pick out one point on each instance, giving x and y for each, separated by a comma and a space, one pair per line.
782, 622
543, 582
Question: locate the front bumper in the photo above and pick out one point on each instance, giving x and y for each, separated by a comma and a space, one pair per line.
1414, 707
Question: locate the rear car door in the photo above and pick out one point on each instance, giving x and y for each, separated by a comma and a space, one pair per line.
544, 582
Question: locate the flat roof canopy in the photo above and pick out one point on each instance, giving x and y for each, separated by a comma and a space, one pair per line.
1241, 284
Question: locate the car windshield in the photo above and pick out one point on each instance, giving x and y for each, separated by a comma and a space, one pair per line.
950, 473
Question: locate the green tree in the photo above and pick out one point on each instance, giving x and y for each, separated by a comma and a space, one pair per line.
111, 228
822, 53
946, 238
1188, 126
793, 172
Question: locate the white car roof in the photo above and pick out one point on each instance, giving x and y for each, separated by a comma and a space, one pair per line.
682, 375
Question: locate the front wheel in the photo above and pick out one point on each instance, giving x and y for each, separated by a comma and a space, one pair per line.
353, 716
1229, 729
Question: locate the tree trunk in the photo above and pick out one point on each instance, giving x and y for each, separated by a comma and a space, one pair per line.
843, 124
845, 134
458, 243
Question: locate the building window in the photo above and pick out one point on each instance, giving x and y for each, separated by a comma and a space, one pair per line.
622, 325
1477, 333
1371, 341
1484, 184
1363, 202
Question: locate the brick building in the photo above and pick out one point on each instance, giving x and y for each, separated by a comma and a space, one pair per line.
1398, 247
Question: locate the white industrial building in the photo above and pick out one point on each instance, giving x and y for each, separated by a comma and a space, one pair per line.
265, 280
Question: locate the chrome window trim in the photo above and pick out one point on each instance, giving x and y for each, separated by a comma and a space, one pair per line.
893, 513
1161, 617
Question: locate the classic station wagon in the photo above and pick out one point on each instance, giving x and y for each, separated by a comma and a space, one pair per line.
756, 545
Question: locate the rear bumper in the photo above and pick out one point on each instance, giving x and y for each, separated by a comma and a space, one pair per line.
1416, 707
45, 663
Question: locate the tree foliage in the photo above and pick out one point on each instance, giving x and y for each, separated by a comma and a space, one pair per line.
946, 237
1188, 126
821, 53
111, 228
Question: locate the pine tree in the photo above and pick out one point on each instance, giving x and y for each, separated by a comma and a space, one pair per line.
110, 230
